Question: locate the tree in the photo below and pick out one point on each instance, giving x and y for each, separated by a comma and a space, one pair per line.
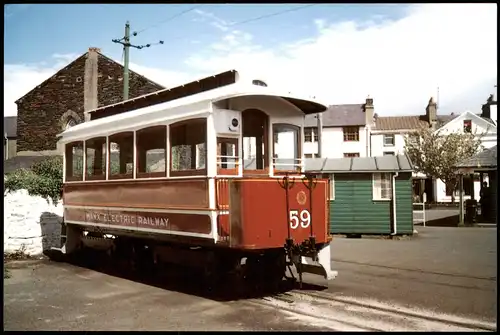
436, 154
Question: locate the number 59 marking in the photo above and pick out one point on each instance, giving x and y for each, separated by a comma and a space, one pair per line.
303, 219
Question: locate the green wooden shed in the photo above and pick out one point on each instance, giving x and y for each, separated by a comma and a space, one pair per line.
368, 195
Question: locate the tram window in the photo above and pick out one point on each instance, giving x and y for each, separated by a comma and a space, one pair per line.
227, 156
121, 151
74, 161
286, 151
95, 158
188, 147
151, 146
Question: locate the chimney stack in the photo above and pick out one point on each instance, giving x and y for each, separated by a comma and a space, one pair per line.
431, 112
369, 111
90, 99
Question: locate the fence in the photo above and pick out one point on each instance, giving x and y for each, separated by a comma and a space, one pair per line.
420, 212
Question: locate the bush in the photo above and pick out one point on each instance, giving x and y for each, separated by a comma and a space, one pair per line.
44, 178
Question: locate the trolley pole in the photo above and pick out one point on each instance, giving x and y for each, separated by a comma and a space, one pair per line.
125, 41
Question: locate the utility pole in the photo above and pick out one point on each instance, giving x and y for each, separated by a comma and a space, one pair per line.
125, 41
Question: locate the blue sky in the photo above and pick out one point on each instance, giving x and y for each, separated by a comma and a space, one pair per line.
96, 24
332, 45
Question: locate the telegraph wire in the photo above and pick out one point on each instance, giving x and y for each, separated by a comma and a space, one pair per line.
272, 14
256, 19
167, 20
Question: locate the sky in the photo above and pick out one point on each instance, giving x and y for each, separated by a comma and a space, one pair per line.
400, 55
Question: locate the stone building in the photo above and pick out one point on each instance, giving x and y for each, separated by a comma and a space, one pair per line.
92, 80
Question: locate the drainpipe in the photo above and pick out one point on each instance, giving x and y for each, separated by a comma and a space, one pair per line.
395, 216
320, 134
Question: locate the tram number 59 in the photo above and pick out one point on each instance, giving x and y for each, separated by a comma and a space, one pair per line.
303, 219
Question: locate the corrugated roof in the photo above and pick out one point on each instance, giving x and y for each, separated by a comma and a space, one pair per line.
399, 163
340, 116
486, 158
10, 126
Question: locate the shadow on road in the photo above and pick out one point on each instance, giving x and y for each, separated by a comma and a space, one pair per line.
180, 279
448, 221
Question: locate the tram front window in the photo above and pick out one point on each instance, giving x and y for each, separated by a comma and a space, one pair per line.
286, 147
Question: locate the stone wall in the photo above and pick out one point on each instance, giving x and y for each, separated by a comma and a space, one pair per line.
40, 112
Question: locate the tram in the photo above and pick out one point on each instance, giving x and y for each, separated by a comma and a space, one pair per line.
208, 174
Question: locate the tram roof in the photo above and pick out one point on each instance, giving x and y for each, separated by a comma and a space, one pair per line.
196, 106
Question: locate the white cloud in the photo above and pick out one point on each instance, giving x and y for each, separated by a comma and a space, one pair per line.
399, 63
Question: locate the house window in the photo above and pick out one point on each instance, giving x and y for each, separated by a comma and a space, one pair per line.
310, 135
389, 153
151, 144
389, 140
351, 134
382, 186
351, 154
187, 152
467, 126
308, 155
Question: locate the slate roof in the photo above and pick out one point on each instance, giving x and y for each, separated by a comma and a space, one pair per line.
10, 126
399, 163
340, 116
484, 159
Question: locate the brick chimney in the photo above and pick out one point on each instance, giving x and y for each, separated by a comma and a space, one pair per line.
90, 99
486, 107
369, 111
431, 112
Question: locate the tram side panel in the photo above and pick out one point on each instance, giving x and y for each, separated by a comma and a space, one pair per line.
259, 218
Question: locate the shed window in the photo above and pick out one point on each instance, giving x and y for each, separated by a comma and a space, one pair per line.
151, 144
121, 155
389, 140
95, 151
74, 161
286, 147
351, 134
188, 147
382, 186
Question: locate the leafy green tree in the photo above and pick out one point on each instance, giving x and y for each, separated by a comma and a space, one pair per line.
435, 153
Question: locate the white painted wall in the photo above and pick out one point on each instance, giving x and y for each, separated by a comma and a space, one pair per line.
378, 147
334, 145
25, 225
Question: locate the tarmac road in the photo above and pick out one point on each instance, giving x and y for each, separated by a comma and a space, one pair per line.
447, 270
442, 270
45, 295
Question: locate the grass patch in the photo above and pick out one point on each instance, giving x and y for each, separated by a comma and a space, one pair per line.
17, 255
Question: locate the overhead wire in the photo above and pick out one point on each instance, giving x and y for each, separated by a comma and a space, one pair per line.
256, 18
167, 20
